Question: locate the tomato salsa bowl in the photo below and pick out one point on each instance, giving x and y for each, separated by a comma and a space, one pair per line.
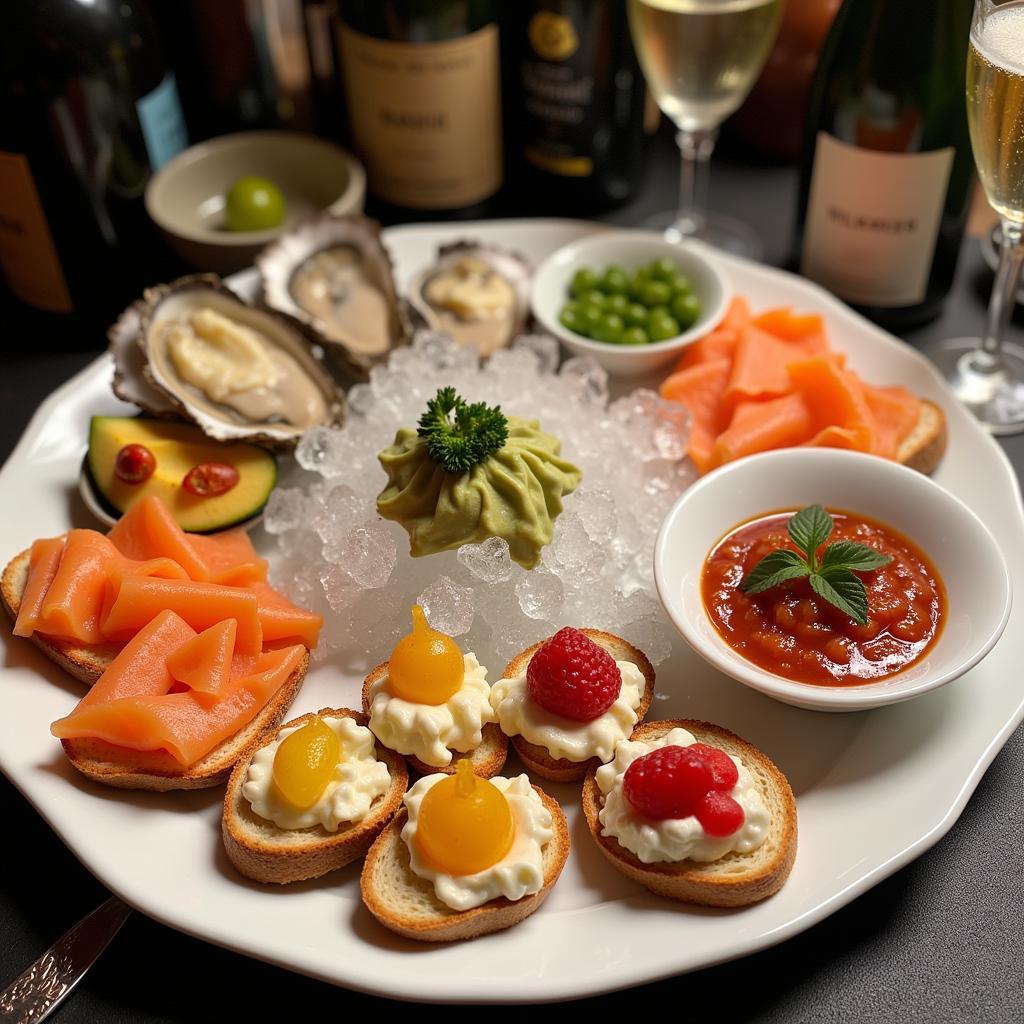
962, 577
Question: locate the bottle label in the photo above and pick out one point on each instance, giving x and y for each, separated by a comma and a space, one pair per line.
426, 117
559, 89
163, 126
873, 220
27, 253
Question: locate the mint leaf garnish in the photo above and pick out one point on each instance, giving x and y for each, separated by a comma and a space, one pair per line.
832, 577
841, 588
773, 569
809, 529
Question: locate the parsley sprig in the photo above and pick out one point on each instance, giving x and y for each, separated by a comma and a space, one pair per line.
832, 576
460, 435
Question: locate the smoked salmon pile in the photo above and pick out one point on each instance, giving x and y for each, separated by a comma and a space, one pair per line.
202, 641
772, 381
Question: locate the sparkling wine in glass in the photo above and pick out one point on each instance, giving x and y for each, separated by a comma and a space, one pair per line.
701, 59
987, 374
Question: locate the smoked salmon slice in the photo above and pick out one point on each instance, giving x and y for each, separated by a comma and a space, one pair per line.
42, 567
762, 426
700, 389
203, 663
201, 605
835, 398
282, 620
895, 412
184, 724
148, 530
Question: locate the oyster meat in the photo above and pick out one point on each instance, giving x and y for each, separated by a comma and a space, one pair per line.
236, 371
478, 294
334, 274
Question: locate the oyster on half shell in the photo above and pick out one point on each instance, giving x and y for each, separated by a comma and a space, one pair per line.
334, 274
238, 372
478, 294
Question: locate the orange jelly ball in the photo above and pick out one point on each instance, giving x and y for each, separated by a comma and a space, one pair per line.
426, 667
465, 824
304, 763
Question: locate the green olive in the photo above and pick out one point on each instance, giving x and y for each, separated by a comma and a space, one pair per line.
637, 280
253, 204
570, 318
609, 328
681, 285
664, 270
583, 281
590, 316
636, 315
656, 293
662, 328
686, 309
634, 336
594, 297
614, 281
617, 304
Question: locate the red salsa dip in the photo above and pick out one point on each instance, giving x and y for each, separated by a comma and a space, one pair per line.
791, 631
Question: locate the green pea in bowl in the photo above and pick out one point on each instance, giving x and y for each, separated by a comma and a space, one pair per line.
630, 299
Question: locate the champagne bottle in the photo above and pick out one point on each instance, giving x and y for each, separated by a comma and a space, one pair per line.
90, 111
582, 96
422, 83
887, 168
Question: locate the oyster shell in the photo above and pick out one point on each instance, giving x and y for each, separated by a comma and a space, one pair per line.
478, 294
238, 372
334, 274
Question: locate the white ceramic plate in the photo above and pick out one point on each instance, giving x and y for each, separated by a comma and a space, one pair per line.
874, 789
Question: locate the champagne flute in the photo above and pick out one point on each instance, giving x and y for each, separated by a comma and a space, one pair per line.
987, 374
700, 59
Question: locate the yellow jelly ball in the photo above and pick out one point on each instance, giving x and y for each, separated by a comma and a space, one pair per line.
426, 667
305, 762
465, 824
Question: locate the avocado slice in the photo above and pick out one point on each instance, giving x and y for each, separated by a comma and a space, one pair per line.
177, 447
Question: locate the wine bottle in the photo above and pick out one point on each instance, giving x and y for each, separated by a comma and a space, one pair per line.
422, 83
89, 112
582, 96
887, 168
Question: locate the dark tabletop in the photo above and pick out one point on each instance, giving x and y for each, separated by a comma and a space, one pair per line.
940, 941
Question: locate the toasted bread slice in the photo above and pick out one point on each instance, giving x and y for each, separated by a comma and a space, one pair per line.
536, 759
922, 449
735, 880
407, 904
262, 851
86, 664
140, 769
487, 759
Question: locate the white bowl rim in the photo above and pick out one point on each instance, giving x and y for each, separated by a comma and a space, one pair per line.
243, 239
704, 323
808, 695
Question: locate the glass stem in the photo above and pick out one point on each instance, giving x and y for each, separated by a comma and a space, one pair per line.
988, 358
695, 149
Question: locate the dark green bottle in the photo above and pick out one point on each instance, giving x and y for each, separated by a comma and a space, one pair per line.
887, 168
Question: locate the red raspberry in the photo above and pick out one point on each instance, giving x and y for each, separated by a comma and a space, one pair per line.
723, 767
718, 814
573, 677
675, 782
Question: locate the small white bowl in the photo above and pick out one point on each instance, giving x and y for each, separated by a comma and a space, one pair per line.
959, 545
629, 250
186, 198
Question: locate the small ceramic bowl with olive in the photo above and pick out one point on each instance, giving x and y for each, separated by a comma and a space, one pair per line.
630, 299
220, 202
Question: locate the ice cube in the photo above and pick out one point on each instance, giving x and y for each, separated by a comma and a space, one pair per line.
671, 431
341, 589
337, 512
596, 509
448, 606
322, 450
540, 594
369, 554
286, 510
489, 561
585, 380
439, 351
544, 347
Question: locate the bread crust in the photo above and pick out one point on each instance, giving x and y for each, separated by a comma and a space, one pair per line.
140, 769
387, 879
299, 854
536, 758
924, 448
487, 759
708, 884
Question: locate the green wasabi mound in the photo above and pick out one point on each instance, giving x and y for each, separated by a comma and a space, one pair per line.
514, 491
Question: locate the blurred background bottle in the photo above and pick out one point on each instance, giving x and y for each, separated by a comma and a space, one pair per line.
90, 110
422, 85
886, 169
581, 103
